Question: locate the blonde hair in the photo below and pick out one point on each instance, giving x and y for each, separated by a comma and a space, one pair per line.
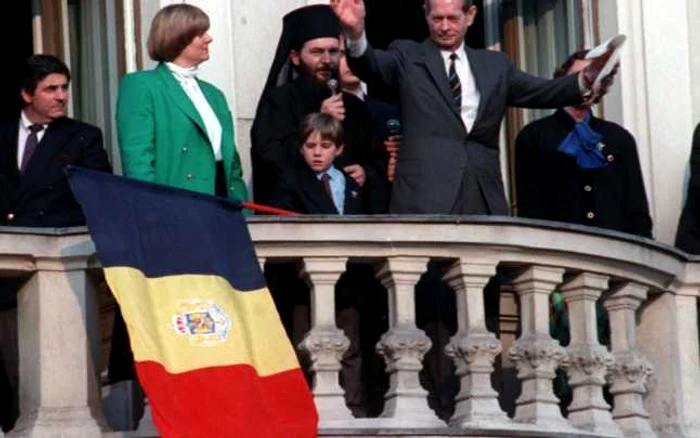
173, 28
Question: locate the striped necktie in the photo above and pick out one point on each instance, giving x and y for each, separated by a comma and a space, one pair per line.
455, 83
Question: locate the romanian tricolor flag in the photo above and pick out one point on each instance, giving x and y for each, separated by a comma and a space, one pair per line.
209, 348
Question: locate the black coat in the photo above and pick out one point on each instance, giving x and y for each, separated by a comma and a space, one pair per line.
551, 186
41, 197
275, 139
688, 235
301, 191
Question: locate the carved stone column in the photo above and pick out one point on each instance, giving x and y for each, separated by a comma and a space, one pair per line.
325, 343
632, 370
404, 345
670, 342
473, 348
536, 354
589, 362
58, 384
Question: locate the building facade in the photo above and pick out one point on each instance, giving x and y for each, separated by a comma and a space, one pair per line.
657, 95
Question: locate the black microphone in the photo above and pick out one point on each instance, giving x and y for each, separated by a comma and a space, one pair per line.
393, 127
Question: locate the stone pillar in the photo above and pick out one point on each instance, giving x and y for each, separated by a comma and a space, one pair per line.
589, 362
668, 327
631, 369
404, 345
57, 375
536, 354
473, 348
325, 343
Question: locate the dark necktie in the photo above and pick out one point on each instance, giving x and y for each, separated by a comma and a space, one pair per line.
326, 178
30, 146
455, 83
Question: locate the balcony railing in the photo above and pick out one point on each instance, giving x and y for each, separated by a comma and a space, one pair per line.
651, 368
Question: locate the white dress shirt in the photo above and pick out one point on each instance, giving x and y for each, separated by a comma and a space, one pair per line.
187, 78
470, 94
337, 183
24, 124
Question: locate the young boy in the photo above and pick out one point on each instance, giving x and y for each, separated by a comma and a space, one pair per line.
316, 186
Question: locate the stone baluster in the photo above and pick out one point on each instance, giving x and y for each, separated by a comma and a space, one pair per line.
632, 370
536, 354
669, 339
589, 362
473, 348
404, 345
325, 343
58, 384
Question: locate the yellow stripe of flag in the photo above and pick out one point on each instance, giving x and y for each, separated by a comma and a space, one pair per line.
187, 322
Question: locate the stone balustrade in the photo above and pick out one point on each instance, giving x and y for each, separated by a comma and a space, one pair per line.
650, 370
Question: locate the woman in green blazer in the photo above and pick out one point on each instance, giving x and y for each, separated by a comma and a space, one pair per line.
173, 128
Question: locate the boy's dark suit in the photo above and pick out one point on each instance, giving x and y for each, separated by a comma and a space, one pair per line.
301, 191
41, 197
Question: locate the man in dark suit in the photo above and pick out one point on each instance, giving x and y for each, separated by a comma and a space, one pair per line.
453, 99
36, 148
34, 151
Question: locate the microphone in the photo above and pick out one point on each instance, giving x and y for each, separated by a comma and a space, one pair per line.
393, 127
332, 85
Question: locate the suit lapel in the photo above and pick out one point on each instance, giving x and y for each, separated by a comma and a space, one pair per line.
435, 65
481, 76
316, 193
54, 140
180, 97
353, 204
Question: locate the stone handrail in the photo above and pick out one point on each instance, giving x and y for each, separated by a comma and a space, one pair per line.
650, 291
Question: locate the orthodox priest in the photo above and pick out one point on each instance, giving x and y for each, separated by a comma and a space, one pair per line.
303, 80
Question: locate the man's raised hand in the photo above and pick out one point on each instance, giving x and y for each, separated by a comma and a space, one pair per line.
351, 14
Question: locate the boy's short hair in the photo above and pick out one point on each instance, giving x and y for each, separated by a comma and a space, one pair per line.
328, 127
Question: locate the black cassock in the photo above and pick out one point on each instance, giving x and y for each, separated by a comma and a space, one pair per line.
551, 186
688, 236
275, 139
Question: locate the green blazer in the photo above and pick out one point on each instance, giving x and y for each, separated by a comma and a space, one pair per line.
162, 137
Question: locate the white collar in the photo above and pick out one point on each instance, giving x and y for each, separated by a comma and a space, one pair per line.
182, 72
331, 171
461, 53
26, 123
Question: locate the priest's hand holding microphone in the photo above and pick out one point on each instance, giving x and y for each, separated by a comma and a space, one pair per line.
334, 107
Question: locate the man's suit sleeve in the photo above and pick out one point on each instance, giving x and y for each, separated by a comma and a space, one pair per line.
688, 235
377, 66
136, 128
93, 155
529, 200
528, 91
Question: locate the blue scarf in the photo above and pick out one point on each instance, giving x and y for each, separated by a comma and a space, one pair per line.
582, 144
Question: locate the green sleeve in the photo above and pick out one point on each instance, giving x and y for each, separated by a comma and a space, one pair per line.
136, 128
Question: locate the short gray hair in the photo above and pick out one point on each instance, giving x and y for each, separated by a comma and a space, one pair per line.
466, 4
